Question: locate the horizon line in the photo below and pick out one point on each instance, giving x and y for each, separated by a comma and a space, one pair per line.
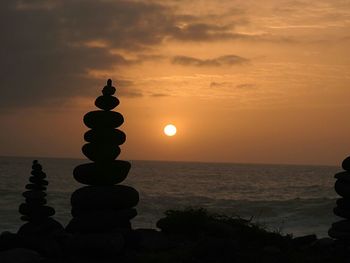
178, 161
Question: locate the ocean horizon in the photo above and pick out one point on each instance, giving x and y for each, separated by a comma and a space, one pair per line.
289, 198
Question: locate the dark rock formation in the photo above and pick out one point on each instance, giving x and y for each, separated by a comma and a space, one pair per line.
103, 207
341, 229
34, 211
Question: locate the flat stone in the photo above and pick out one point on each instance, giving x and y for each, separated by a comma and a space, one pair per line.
345, 176
38, 201
36, 210
342, 188
103, 119
346, 164
38, 174
105, 220
112, 136
39, 181
35, 187
106, 102
34, 194
105, 197
102, 173
99, 152
48, 226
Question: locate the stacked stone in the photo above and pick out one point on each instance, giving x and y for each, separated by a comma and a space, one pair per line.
34, 211
103, 206
341, 229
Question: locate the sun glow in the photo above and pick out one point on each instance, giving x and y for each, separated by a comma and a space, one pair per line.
170, 130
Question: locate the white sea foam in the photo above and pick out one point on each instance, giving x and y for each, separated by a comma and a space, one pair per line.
289, 198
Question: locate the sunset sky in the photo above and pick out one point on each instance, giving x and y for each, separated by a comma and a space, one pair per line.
243, 81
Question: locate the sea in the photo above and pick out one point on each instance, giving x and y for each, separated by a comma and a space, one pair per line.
290, 199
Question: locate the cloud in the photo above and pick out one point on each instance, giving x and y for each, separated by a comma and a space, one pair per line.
231, 85
227, 60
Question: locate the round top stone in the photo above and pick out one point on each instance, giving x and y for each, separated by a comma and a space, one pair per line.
346, 164
109, 89
36, 165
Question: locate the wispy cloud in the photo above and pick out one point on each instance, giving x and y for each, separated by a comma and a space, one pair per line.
227, 60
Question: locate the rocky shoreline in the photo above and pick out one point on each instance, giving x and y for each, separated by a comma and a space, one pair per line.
190, 235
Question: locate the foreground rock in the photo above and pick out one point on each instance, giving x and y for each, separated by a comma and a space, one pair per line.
341, 230
194, 235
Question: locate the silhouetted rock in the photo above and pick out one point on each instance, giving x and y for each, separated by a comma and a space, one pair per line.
34, 210
102, 173
100, 197
102, 207
112, 136
101, 151
346, 164
106, 102
103, 119
341, 229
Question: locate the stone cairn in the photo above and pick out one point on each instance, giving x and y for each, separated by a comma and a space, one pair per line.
341, 229
102, 206
34, 211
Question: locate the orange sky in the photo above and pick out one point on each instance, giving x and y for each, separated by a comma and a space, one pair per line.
243, 81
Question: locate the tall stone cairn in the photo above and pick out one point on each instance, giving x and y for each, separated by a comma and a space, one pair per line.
102, 206
34, 211
341, 229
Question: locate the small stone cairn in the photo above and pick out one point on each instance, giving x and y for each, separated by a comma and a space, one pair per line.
34, 211
103, 206
341, 230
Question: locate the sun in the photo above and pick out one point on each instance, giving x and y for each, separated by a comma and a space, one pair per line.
170, 130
